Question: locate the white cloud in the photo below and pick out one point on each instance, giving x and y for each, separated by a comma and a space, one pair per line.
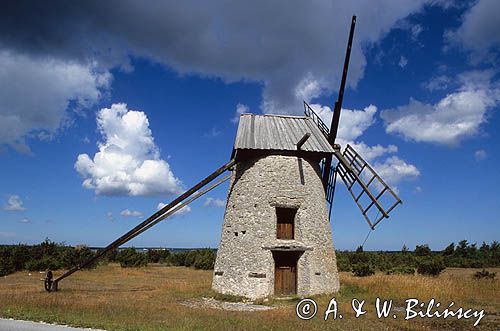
14, 203
370, 153
214, 202
24, 220
353, 123
437, 83
479, 31
35, 94
109, 216
403, 61
240, 109
455, 117
183, 211
393, 170
480, 155
128, 161
130, 213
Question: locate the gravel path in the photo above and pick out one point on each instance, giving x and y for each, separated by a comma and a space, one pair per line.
15, 325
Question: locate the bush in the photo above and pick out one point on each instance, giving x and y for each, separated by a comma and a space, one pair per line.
422, 250
403, 270
6, 265
130, 258
72, 257
343, 263
42, 264
362, 270
485, 274
158, 255
431, 267
205, 259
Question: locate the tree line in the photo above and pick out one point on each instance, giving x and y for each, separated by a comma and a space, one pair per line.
53, 256
422, 259
50, 255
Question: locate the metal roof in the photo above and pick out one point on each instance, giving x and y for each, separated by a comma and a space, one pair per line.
279, 132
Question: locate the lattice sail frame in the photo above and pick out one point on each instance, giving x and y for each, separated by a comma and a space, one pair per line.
367, 188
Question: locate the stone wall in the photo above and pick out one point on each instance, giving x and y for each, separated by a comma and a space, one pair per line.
245, 265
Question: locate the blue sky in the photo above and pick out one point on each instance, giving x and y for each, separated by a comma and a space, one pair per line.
105, 114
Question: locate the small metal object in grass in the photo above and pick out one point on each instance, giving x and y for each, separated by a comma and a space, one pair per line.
48, 281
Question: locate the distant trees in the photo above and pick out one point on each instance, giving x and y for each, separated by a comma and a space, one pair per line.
51, 255
423, 259
46, 255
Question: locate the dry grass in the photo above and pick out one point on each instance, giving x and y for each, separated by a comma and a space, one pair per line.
148, 299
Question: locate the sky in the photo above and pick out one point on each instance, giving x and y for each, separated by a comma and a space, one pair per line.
109, 110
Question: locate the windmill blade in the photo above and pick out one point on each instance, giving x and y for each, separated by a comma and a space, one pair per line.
367, 188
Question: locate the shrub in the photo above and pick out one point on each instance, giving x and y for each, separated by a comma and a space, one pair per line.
158, 255
422, 250
205, 259
6, 265
431, 267
43, 264
343, 263
177, 259
130, 258
403, 270
72, 257
485, 274
362, 270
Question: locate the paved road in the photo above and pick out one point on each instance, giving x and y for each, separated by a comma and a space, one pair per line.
15, 325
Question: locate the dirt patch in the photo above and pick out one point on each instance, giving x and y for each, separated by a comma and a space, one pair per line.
222, 305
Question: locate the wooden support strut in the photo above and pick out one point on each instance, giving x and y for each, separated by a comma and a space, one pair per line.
164, 212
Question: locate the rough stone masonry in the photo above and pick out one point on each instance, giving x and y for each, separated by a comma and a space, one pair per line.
245, 265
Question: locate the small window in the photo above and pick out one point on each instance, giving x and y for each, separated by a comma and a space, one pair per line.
285, 222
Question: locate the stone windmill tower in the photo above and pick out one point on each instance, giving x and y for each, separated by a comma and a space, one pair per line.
276, 237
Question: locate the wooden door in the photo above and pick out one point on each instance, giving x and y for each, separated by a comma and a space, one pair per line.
285, 280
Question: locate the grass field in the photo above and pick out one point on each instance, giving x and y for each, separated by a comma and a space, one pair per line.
113, 298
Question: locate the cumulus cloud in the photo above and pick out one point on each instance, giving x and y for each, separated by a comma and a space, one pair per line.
450, 120
14, 203
213, 202
480, 155
183, 211
478, 32
272, 43
353, 123
128, 161
36, 92
393, 170
130, 213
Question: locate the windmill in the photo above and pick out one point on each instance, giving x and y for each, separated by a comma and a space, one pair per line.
276, 237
